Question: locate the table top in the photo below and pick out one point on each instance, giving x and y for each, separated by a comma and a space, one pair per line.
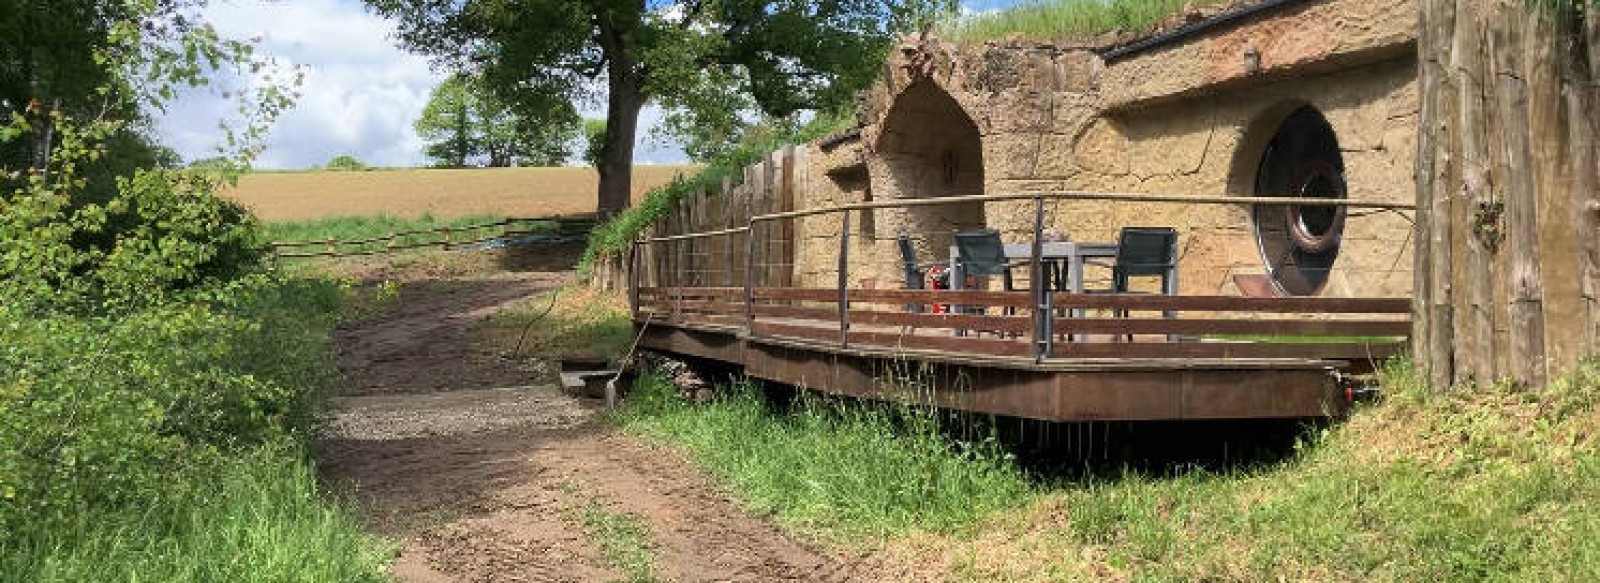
1052, 250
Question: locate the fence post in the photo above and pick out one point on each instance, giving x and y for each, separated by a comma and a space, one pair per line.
332, 250
446, 242
390, 245
1036, 281
844, 279
749, 276
677, 278
631, 279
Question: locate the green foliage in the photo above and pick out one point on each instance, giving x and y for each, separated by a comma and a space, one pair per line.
1062, 19
846, 468
156, 384
594, 141
613, 237
345, 162
464, 123
711, 58
162, 232
97, 409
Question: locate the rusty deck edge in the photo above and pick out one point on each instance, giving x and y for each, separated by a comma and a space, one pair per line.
1014, 362
1075, 391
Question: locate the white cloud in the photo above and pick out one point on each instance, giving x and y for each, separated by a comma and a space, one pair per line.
360, 97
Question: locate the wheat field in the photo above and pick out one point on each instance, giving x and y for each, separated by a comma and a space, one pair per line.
521, 192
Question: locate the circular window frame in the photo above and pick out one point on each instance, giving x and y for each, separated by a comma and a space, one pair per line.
1301, 152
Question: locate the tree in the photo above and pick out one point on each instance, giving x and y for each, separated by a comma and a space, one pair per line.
345, 162
594, 141
1507, 282
465, 124
784, 55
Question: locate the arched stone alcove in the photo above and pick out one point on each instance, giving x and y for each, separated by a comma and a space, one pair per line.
927, 147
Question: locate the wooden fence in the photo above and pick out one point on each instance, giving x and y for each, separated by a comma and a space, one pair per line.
768, 187
441, 237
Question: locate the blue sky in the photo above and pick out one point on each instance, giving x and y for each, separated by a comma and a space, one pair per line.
361, 93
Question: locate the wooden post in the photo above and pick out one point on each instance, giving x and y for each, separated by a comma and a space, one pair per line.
677, 279
332, 250
446, 242
1507, 172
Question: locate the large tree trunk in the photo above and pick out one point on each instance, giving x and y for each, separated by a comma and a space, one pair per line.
622, 128
1507, 169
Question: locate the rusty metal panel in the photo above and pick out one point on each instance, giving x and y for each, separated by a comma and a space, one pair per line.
726, 347
1114, 394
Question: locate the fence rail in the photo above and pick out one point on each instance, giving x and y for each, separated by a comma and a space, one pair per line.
442, 237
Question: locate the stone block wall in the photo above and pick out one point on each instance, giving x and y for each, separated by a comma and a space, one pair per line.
1188, 118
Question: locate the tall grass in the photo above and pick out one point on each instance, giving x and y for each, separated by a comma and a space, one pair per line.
347, 228
1063, 19
254, 516
829, 466
1477, 484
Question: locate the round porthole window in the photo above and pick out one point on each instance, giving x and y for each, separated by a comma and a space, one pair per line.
1299, 243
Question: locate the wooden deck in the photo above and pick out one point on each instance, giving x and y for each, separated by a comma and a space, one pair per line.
1080, 357
714, 279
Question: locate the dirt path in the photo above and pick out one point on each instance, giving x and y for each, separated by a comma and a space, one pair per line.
488, 483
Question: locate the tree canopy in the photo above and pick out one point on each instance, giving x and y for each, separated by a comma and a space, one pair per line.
466, 124
708, 60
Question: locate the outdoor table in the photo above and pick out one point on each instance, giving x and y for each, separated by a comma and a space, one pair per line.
1073, 253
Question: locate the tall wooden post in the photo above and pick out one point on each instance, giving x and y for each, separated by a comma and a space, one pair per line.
1509, 273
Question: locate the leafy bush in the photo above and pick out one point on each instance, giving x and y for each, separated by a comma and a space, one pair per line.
97, 412
163, 232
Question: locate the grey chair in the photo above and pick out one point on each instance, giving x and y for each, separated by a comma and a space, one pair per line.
916, 273
981, 253
1142, 252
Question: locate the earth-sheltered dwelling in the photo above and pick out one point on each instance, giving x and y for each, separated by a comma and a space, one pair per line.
797, 273
1313, 98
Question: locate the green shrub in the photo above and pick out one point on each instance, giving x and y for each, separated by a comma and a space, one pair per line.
96, 412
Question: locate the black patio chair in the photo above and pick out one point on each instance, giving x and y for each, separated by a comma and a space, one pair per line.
916, 273
1141, 252
981, 253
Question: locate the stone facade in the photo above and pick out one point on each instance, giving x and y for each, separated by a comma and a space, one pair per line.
1193, 116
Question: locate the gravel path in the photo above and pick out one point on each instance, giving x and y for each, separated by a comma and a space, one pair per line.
449, 449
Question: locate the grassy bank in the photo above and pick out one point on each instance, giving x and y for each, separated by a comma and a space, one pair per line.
1465, 484
1487, 484
167, 443
1063, 19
